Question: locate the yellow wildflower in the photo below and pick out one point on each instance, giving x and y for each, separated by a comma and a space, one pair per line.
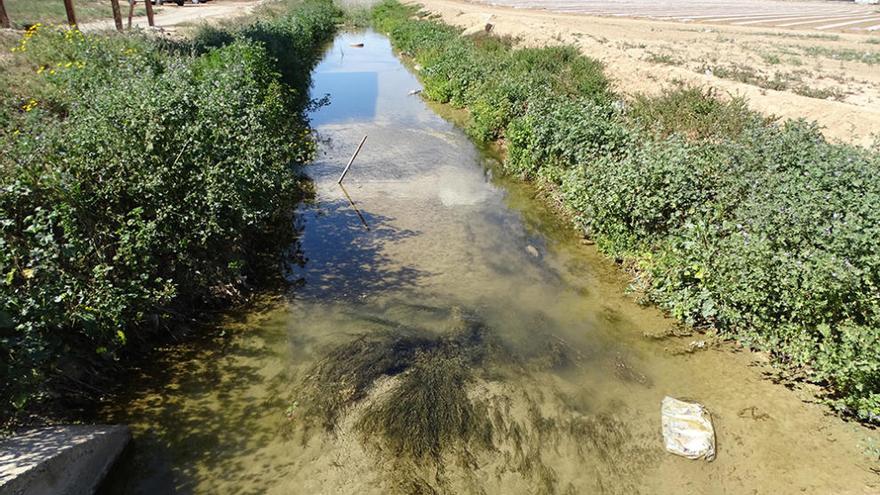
30, 105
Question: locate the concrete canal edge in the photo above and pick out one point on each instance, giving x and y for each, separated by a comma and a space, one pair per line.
60, 460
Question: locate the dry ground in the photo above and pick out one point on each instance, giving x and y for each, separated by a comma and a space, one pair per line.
821, 15
171, 17
23, 13
832, 78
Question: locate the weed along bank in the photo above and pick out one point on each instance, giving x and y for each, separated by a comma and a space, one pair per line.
372, 255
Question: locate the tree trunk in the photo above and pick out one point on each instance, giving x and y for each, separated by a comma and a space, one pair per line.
117, 14
149, 5
4, 19
71, 15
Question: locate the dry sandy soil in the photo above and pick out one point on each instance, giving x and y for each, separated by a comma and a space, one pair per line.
821, 15
170, 17
832, 78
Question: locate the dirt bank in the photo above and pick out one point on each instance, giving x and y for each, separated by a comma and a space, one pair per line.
171, 17
833, 79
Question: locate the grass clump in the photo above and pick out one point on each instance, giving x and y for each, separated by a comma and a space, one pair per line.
429, 410
431, 406
780, 81
693, 112
868, 57
141, 180
764, 231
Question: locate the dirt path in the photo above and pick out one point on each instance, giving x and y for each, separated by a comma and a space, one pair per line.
833, 79
169, 16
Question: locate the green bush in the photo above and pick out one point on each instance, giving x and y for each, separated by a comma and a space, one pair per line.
140, 184
693, 112
557, 133
767, 233
485, 74
288, 37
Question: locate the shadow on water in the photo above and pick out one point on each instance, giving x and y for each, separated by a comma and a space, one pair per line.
343, 259
194, 395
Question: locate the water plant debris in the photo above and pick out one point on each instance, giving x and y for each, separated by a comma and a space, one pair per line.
424, 402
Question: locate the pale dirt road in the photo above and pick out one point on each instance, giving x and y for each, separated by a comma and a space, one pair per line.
831, 78
169, 17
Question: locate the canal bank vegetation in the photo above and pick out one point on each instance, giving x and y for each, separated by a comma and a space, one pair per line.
142, 181
764, 231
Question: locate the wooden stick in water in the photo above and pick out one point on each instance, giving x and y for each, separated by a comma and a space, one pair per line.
351, 202
358, 150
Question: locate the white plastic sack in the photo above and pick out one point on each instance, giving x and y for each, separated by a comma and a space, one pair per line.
687, 429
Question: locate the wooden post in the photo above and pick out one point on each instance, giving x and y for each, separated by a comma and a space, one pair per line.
4, 19
149, 5
358, 150
130, 12
71, 15
117, 14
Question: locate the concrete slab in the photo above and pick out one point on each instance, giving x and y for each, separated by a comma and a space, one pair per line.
60, 460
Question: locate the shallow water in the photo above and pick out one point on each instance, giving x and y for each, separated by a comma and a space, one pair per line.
564, 371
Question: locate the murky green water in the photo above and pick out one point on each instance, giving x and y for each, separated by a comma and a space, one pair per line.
446, 335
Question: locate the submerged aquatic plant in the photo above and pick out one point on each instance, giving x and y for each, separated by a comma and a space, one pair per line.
348, 371
429, 410
431, 403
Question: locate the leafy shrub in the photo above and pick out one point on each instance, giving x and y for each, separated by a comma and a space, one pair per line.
141, 184
451, 72
771, 236
563, 69
485, 74
768, 233
557, 133
693, 112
